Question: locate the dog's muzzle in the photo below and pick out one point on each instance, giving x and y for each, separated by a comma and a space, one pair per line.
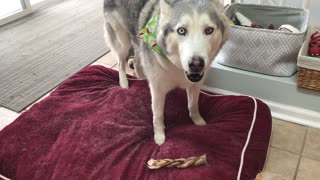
196, 66
194, 77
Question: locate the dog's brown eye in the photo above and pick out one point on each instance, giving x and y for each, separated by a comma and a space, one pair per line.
208, 30
182, 31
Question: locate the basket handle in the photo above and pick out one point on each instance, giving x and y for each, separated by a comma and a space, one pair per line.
305, 3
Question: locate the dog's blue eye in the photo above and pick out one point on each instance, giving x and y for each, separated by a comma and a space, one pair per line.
182, 31
208, 30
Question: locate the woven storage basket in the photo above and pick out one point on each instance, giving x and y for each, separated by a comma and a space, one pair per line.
309, 67
262, 50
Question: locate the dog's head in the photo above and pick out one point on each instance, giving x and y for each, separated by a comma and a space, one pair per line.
191, 33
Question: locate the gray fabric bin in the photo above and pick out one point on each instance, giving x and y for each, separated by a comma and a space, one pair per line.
262, 50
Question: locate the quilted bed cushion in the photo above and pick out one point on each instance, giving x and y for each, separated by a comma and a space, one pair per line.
90, 128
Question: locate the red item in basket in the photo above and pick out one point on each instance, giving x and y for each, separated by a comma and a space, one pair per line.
314, 45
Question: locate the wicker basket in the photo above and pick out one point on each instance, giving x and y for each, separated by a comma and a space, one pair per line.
309, 67
308, 78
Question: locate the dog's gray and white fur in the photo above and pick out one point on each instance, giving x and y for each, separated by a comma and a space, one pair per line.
190, 33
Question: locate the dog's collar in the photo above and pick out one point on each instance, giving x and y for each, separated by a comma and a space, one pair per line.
149, 34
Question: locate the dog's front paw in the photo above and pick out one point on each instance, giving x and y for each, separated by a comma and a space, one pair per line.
124, 83
199, 121
159, 138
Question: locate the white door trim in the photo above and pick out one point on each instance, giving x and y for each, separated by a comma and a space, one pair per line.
27, 8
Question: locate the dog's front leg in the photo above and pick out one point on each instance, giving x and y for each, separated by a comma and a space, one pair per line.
158, 96
193, 98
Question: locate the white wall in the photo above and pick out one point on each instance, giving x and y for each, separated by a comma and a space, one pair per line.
314, 12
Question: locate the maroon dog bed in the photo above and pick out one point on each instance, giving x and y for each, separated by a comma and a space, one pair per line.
90, 128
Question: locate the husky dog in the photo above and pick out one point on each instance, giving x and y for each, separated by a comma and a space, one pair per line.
190, 33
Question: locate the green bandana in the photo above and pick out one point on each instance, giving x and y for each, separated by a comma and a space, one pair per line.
149, 34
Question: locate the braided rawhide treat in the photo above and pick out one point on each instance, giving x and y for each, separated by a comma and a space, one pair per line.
177, 163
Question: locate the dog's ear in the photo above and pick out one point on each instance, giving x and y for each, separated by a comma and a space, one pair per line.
219, 5
216, 1
165, 7
224, 21
226, 32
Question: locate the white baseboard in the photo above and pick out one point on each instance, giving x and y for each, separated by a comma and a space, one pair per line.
282, 111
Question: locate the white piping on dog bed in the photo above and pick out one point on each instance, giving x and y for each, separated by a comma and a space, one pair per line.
249, 133
248, 137
3, 177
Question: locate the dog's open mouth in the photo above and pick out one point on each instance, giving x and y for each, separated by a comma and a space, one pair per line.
194, 76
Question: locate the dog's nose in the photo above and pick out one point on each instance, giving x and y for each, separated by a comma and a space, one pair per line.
196, 64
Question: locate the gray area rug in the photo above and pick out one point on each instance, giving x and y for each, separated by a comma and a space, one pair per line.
40, 51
